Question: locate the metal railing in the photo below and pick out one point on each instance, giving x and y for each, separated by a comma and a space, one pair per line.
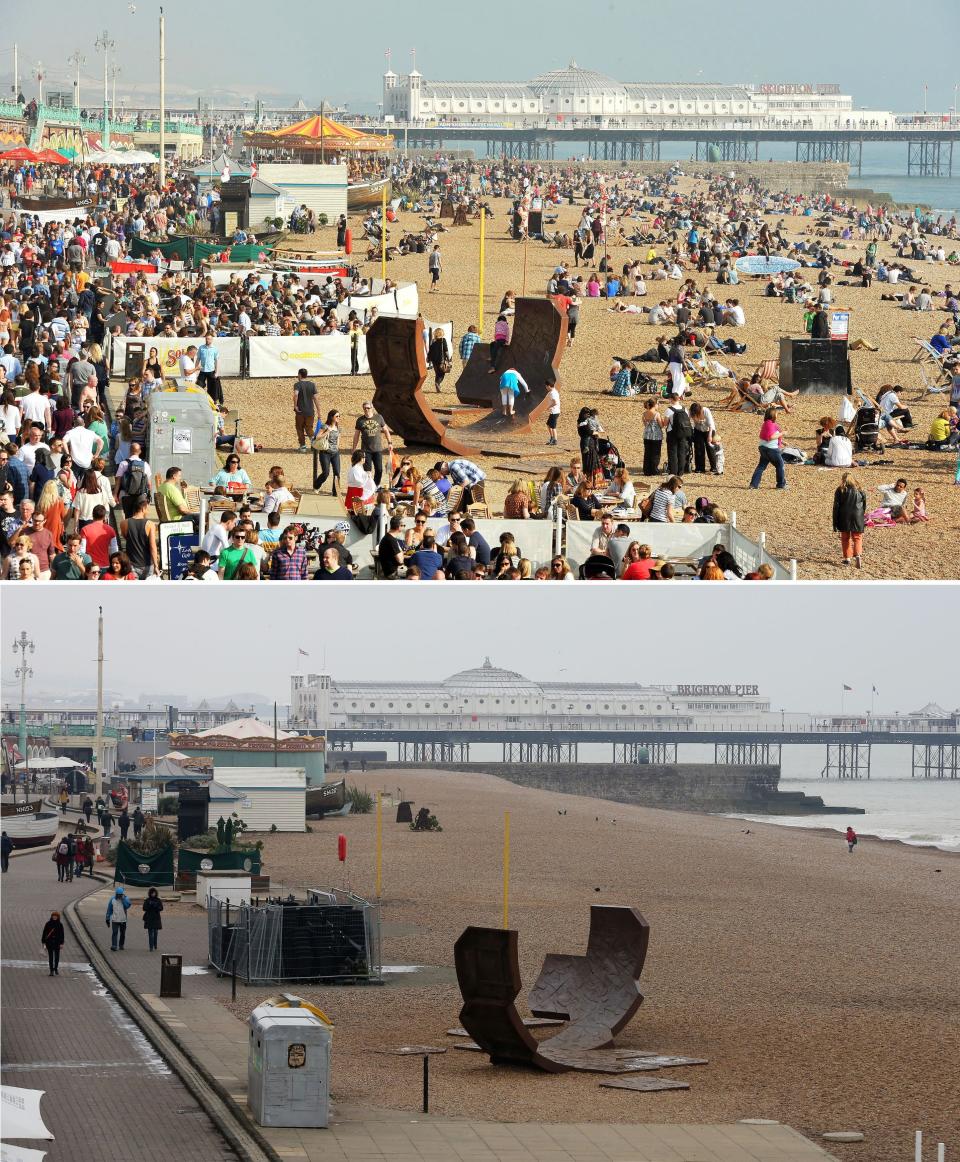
70, 115
335, 936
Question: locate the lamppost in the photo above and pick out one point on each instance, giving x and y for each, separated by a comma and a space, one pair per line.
106, 45
22, 645
77, 59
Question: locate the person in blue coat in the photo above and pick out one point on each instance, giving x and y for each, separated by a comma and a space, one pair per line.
117, 907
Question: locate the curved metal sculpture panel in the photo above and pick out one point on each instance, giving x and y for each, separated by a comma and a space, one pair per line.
488, 972
398, 365
399, 369
598, 993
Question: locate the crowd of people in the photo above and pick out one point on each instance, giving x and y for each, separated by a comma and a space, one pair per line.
76, 486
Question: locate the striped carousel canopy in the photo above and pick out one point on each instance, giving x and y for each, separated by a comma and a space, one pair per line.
318, 131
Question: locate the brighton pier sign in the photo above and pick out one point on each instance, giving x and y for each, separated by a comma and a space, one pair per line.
728, 691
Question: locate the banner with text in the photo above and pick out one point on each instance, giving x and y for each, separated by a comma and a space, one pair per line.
170, 350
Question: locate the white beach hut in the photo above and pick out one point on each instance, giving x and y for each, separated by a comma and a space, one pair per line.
268, 796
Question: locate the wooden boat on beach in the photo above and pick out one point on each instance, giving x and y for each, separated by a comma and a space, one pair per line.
52, 203
328, 799
25, 823
363, 195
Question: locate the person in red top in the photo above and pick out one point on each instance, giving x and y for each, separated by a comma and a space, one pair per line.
638, 564
851, 838
44, 545
100, 537
120, 569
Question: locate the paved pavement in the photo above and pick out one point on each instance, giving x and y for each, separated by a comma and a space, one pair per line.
109, 1096
217, 1042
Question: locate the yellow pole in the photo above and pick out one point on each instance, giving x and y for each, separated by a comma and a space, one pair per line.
483, 235
379, 842
383, 235
506, 869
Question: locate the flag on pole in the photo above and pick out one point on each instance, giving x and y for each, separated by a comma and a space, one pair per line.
874, 690
846, 687
303, 653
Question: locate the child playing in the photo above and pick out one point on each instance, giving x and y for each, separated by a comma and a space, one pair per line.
918, 514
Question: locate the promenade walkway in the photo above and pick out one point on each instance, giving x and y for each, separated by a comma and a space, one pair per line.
216, 1041
109, 1096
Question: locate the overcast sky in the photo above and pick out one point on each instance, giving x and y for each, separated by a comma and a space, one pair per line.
303, 49
797, 642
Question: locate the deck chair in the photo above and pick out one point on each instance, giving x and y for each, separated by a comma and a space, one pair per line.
933, 386
742, 398
290, 505
927, 354
159, 503
455, 498
769, 370
570, 511
479, 506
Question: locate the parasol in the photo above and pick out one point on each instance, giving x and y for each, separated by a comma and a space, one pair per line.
20, 153
52, 157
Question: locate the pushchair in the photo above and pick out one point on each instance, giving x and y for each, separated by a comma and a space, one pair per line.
598, 567
609, 457
867, 430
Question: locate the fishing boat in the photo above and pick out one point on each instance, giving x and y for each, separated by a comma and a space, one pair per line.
362, 195
25, 823
328, 799
52, 203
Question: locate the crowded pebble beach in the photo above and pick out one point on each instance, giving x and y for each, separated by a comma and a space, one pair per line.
797, 521
817, 984
664, 336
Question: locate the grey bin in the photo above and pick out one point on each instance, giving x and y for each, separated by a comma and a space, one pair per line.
288, 1068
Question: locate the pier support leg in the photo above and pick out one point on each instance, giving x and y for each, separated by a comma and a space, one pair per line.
847, 760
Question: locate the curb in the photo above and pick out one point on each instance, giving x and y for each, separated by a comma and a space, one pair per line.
240, 1131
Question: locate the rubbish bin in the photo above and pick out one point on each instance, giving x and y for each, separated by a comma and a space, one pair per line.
171, 971
288, 1068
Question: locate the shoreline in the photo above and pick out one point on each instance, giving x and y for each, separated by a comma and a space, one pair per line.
930, 849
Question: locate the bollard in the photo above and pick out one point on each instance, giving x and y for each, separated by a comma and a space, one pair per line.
426, 1083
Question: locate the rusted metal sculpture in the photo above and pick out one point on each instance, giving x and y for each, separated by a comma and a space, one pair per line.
488, 972
398, 366
598, 993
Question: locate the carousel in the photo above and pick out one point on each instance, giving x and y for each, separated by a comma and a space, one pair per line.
321, 139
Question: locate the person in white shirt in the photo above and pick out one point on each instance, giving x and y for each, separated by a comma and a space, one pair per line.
217, 536
36, 409
82, 444
553, 416
734, 314
274, 496
189, 369
839, 450
34, 442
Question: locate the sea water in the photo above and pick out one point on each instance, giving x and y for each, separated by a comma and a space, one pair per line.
917, 811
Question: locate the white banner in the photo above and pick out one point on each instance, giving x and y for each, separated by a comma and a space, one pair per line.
405, 300
280, 357
170, 350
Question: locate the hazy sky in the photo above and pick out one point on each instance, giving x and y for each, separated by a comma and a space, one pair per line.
797, 642
304, 49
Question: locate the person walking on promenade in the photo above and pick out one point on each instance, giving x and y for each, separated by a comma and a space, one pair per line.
71, 842
152, 907
849, 518
89, 855
851, 838
6, 846
64, 800
117, 908
88, 807
52, 940
101, 809
79, 856
61, 857
771, 443
124, 823
137, 822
